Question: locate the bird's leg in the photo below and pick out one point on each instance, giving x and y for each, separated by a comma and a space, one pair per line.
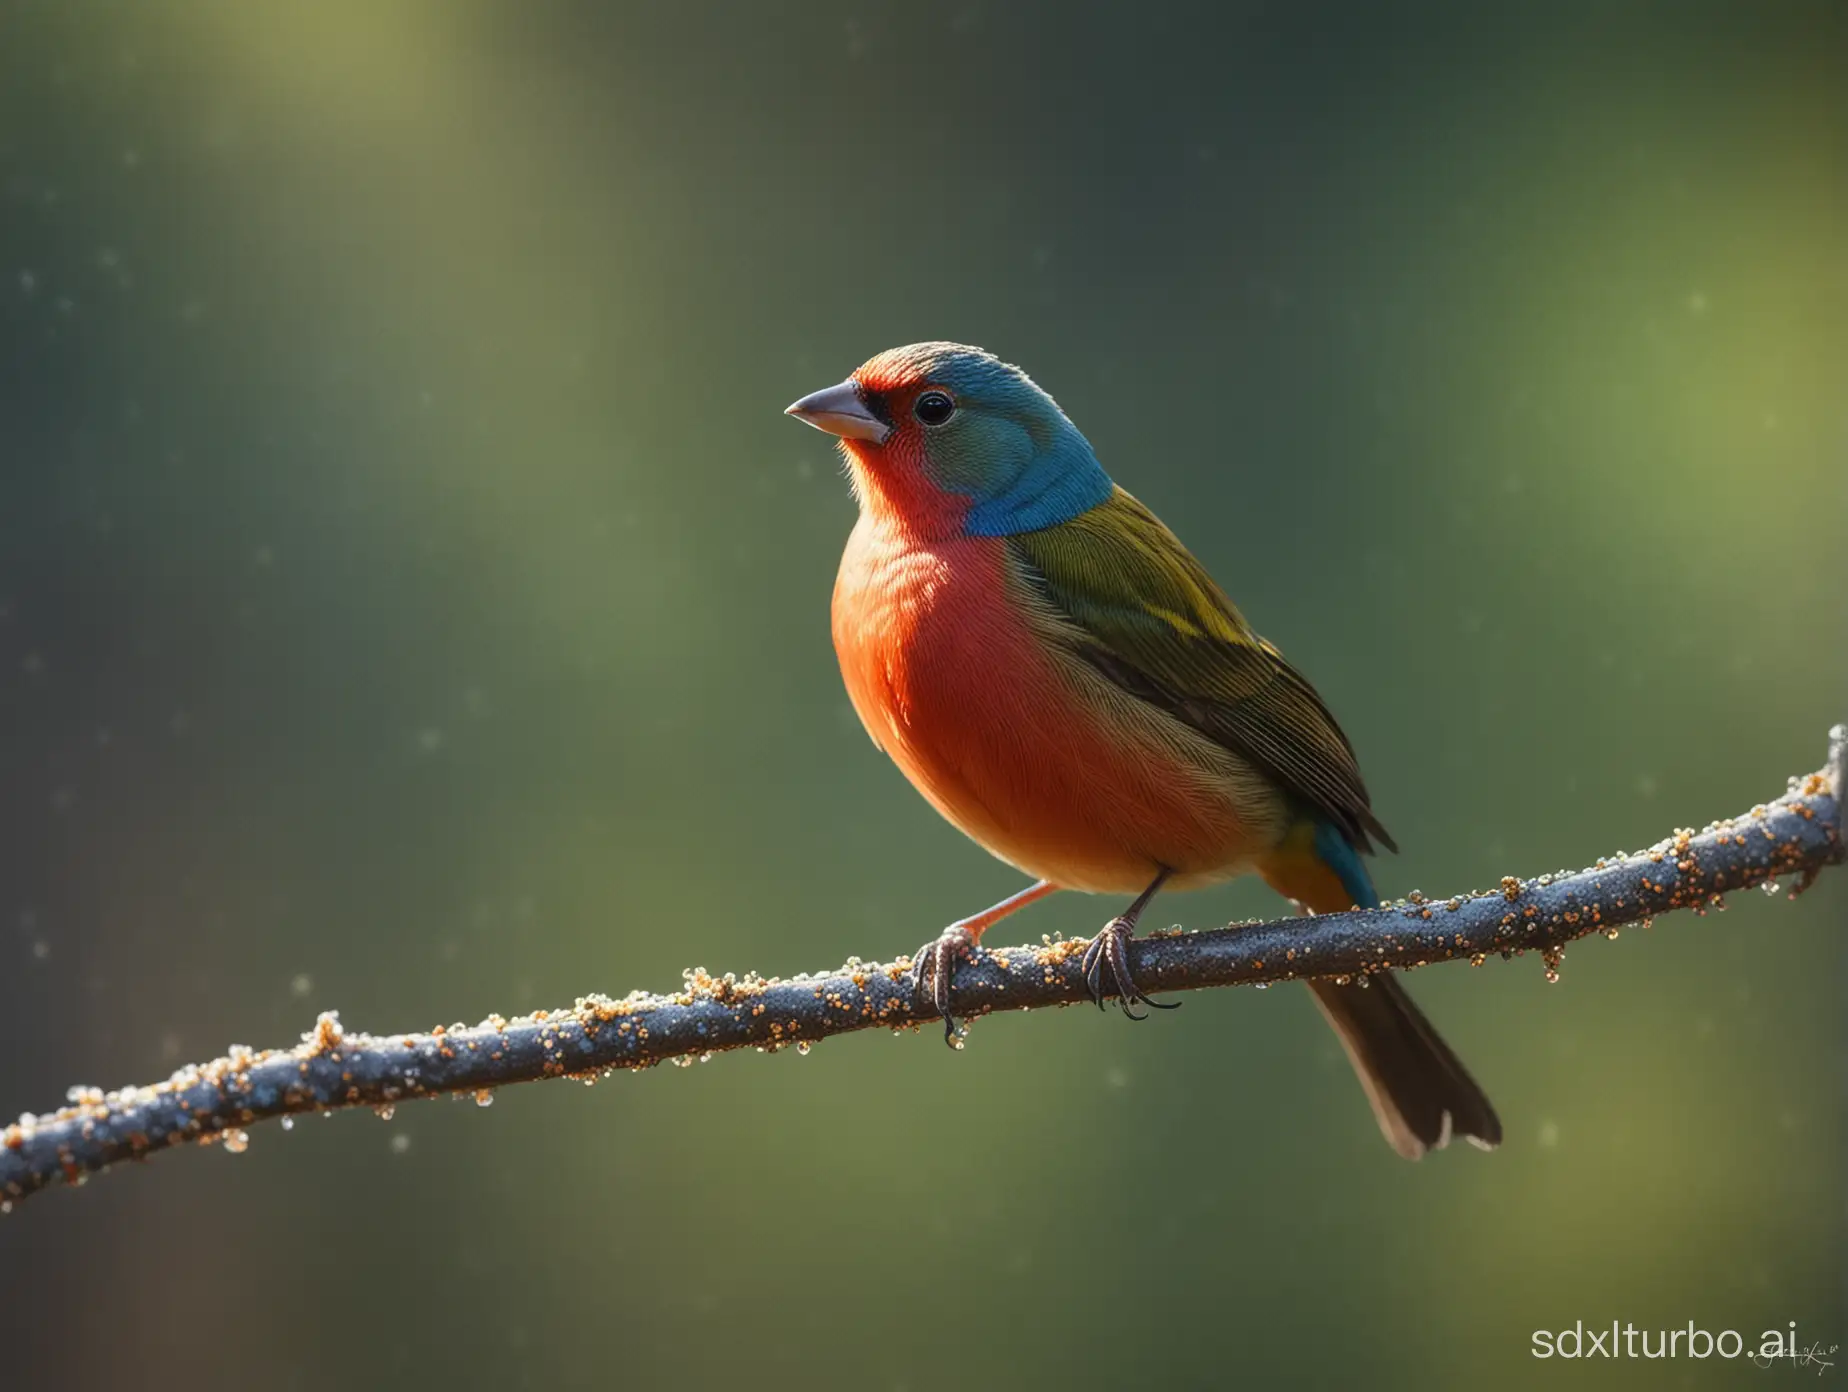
933, 966
1111, 947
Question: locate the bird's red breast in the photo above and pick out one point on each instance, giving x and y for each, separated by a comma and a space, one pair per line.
1022, 746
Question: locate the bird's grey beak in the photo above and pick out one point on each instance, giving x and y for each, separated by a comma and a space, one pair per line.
840, 411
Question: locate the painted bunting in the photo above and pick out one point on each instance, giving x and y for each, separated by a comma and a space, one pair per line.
1066, 684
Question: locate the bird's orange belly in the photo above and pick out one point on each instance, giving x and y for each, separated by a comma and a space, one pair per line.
1020, 744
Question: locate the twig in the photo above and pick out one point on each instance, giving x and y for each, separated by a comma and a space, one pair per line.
332, 1067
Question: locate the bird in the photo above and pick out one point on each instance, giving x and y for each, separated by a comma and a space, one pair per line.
1065, 683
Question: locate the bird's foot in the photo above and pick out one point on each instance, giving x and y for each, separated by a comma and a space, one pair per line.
933, 971
1110, 949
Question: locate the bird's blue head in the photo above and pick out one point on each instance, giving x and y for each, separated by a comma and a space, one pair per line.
945, 435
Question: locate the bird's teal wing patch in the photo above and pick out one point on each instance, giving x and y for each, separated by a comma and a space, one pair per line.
1341, 857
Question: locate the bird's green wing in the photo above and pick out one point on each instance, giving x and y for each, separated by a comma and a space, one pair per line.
1128, 598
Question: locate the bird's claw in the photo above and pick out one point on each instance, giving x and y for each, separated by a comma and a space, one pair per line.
1110, 948
933, 971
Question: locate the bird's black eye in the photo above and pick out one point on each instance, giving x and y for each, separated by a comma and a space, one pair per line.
934, 408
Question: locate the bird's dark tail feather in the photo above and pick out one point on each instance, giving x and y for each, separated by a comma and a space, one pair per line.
1421, 1094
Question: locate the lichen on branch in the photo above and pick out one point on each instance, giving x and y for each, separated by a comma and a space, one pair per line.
1793, 837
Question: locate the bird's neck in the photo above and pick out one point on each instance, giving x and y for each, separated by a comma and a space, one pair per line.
1062, 480
898, 500
896, 494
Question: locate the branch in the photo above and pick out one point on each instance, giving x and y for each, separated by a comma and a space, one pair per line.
1797, 835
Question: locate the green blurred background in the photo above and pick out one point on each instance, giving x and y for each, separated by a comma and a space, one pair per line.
413, 602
